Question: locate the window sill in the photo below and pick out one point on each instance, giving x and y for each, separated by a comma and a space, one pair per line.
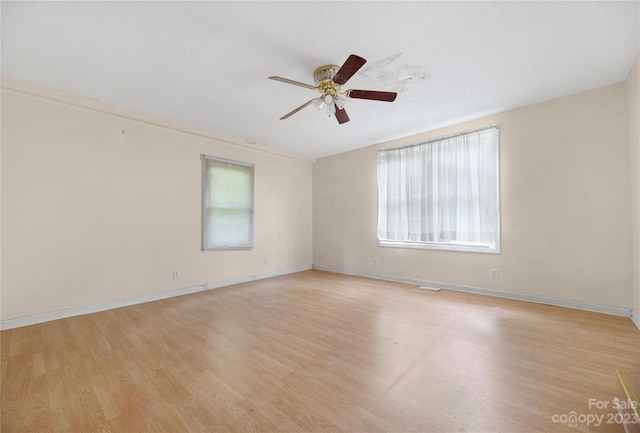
442, 246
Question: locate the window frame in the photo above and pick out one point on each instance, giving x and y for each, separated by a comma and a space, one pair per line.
205, 181
451, 245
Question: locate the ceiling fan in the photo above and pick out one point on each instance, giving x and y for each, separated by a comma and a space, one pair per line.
328, 81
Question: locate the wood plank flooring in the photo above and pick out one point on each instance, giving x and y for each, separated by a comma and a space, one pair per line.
319, 352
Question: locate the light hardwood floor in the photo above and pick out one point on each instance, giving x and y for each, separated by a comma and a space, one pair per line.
314, 352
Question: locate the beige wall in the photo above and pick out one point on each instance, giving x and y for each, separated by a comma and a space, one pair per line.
565, 208
91, 214
101, 204
633, 97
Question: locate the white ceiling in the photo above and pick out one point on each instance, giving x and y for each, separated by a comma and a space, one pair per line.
206, 64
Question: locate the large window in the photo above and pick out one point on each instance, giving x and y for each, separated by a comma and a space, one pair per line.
227, 204
442, 194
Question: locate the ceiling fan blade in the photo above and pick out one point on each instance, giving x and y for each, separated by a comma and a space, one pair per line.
295, 83
291, 113
341, 115
373, 95
349, 68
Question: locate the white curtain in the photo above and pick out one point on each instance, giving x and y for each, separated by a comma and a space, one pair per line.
441, 191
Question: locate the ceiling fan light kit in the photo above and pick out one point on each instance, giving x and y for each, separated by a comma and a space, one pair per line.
328, 81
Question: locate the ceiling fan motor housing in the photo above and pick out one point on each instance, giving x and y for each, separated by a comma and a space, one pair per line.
326, 72
323, 79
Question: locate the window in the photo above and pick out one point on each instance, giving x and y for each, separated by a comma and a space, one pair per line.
442, 194
227, 204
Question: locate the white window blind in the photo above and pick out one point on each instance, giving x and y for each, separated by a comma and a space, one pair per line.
441, 194
227, 204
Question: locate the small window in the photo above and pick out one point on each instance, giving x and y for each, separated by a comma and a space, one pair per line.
442, 194
227, 204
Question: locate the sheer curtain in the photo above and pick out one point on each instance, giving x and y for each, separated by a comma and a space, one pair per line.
442, 191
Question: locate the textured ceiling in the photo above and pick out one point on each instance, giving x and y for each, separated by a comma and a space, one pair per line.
206, 64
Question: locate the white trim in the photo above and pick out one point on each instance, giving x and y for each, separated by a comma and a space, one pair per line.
577, 305
109, 305
442, 246
635, 316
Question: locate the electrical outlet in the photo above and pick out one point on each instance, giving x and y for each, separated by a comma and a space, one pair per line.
266, 261
375, 261
176, 274
495, 273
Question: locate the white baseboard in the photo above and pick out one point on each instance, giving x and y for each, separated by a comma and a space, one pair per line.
635, 316
597, 308
94, 308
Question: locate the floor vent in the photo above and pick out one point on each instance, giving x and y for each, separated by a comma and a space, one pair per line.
435, 289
